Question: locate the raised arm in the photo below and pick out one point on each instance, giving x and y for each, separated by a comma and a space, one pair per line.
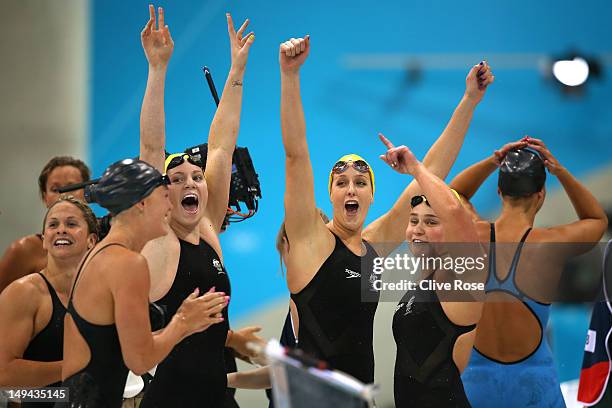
469, 180
224, 128
592, 221
390, 227
158, 46
19, 303
301, 215
443, 153
457, 221
142, 350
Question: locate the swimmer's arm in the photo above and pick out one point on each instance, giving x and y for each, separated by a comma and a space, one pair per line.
390, 227
457, 221
224, 128
141, 349
19, 305
443, 153
17, 260
241, 340
152, 115
302, 217
592, 221
256, 379
469, 180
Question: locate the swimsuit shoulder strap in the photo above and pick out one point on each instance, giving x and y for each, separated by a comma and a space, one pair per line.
85, 260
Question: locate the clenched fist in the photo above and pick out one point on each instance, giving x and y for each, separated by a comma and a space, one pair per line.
477, 81
293, 53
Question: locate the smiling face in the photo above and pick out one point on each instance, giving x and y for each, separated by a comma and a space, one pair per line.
66, 233
351, 197
59, 177
188, 194
424, 229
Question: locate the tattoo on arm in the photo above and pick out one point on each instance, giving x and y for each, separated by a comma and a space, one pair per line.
236, 83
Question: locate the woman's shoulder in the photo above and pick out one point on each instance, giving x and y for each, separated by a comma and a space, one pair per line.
27, 247
31, 284
113, 258
28, 291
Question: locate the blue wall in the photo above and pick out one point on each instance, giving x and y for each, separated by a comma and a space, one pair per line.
345, 108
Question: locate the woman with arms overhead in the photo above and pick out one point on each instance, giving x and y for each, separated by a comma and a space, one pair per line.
512, 359
189, 256
326, 261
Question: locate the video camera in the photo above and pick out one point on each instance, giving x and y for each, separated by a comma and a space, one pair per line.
244, 185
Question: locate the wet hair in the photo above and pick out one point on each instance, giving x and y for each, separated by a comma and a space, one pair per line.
59, 161
88, 215
521, 173
281, 236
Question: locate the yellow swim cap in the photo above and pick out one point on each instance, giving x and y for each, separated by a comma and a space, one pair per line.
352, 158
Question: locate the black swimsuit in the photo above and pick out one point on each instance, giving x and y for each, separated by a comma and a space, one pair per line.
336, 312
425, 372
102, 381
193, 374
48, 344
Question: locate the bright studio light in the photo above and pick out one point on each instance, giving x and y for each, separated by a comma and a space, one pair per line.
571, 72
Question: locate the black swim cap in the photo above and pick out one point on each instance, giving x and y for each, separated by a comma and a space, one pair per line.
122, 185
521, 173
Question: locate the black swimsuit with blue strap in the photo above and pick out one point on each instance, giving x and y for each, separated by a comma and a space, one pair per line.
530, 381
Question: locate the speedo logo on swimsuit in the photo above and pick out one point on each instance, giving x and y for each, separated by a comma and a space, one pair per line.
218, 266
352, 274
